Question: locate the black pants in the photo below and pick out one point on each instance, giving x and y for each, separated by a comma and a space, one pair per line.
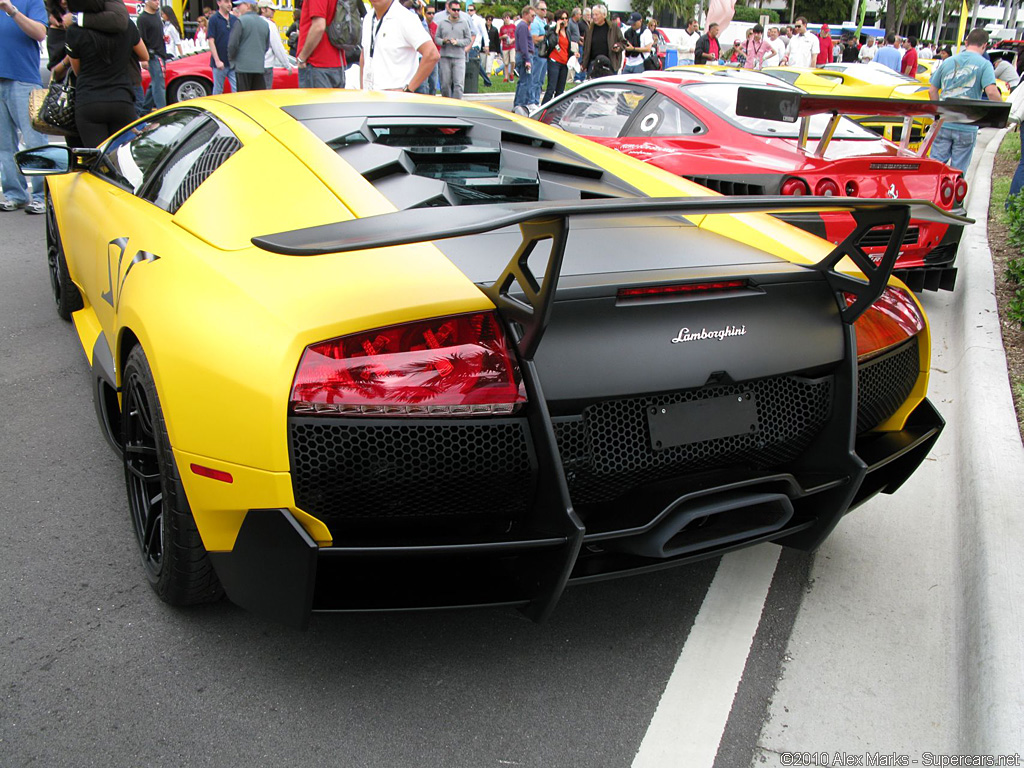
99, 119
250, 81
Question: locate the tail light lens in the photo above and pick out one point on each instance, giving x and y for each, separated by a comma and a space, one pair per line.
450, 366
795, 187
826, 188
890, 321
852, 189
946, 191
961, 190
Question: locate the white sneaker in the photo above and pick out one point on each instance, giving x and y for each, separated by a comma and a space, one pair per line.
36, 207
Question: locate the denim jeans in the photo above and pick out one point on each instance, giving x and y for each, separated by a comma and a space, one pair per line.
156, 96
540, 70
431, 84
318, 77
1017, 184
15, 120
633, 69
954, 147
228, 73
523, 84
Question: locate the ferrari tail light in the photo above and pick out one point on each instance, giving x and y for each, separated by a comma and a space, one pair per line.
795, 187
852, 189
826, 188
890, 321
461, 365
946, 191
961, 190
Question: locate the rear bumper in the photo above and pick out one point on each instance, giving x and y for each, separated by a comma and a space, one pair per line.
277, 570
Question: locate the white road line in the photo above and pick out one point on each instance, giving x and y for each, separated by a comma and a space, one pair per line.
691, 716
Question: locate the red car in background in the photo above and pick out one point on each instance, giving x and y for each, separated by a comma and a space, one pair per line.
688, 124
190, 77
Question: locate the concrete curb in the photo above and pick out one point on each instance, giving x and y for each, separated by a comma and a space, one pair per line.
990, 626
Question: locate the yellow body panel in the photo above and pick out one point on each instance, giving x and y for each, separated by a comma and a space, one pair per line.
243, 316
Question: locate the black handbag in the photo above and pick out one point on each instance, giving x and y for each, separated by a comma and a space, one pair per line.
58, 108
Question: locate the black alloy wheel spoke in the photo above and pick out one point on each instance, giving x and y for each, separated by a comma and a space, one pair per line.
142, 468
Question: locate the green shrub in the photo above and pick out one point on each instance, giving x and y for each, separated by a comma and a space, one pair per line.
1015, 270
749, 14
1016, 308
1015, 220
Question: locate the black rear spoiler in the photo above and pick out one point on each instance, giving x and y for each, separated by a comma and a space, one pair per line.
549, 220
790, 106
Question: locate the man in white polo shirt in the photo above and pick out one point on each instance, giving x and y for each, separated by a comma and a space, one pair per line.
398, 54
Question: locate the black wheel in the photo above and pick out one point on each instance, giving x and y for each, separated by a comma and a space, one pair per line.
173, 555
185, 88
65, 292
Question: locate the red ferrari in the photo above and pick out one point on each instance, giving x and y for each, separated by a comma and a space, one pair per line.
190, 77
688, 124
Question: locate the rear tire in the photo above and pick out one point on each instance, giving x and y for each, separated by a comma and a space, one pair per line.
65, 292
172, 551
186, 88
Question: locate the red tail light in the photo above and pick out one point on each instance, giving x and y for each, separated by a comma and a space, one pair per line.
655, 291
961, 190
795, 187
946, 191
890, 321
448, 366
826, 188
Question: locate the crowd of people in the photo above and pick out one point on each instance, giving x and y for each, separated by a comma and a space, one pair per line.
405, 45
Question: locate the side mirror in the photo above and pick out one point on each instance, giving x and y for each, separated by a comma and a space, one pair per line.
52, 160
44, 161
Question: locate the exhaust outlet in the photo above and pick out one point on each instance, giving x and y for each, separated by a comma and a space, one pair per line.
691, 524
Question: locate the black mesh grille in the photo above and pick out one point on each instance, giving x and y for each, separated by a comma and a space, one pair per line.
878, 237
884, 384
345, 471
727, 186
608, 451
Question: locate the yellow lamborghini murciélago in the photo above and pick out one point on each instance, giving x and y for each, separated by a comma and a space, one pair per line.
366, 351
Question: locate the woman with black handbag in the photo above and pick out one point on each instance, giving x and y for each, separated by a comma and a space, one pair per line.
104, 92
59, 64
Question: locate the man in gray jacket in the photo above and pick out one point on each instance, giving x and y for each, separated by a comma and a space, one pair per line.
247, 47
453, 38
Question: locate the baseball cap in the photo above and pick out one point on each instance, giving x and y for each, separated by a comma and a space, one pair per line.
265, 4
634, 17
824, 27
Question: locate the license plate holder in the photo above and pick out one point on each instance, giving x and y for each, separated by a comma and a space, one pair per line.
699, 420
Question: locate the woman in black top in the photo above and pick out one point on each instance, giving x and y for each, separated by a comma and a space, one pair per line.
104, 93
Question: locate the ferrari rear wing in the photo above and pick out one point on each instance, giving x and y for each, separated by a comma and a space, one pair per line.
549, 220
789, 106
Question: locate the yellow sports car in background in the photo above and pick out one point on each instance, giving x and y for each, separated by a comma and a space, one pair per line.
872, 80
381, 351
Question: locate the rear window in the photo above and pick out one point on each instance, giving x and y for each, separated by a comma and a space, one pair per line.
721, 97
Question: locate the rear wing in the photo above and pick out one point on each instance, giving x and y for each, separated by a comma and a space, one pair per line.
790, 106
549, 220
